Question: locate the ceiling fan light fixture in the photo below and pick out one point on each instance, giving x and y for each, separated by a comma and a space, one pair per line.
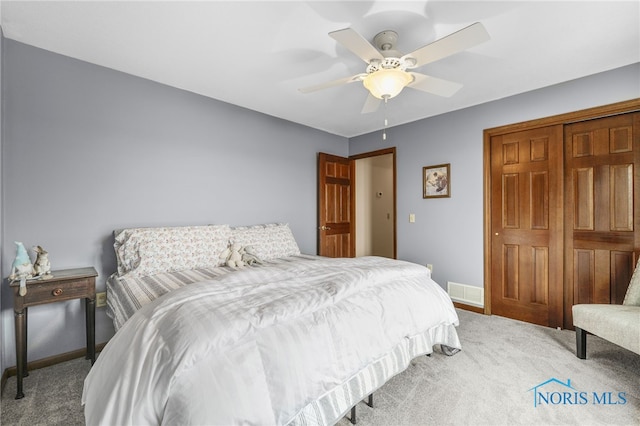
387, 83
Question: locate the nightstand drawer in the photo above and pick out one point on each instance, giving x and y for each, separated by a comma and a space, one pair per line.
51, 292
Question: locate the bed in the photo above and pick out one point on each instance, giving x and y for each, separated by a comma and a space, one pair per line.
293, 339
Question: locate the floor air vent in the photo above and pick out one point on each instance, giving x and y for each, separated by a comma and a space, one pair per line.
464, 293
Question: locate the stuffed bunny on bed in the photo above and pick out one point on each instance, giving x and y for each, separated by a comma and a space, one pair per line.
232, 256
248, 256
238, 256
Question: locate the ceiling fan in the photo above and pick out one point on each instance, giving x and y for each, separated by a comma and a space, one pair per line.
388, 71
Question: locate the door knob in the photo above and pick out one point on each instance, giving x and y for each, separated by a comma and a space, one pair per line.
324, 228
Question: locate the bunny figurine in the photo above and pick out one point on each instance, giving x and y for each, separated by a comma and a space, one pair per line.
42, 266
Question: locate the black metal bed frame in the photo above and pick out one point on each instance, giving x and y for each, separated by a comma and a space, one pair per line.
447, 350
368, 401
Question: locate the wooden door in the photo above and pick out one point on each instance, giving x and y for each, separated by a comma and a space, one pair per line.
526, 225
602, 159
335, 206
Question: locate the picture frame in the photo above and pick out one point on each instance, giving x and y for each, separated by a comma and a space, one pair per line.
436, 181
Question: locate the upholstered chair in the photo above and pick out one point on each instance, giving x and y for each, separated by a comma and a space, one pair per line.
619, 324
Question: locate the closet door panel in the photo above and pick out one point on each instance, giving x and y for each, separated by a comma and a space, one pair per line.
602, 193
526, 231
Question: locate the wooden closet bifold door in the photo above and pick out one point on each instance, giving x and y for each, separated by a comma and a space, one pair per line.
562, 212
602, 197
526, 225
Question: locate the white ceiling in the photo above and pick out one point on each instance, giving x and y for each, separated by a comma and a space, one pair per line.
257, 54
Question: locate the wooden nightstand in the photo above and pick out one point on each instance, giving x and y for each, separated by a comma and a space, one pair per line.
66, 284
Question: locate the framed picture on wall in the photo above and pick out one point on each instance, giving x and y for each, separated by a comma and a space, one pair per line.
436, 181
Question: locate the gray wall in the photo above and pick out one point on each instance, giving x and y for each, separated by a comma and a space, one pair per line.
87, 149
448, 232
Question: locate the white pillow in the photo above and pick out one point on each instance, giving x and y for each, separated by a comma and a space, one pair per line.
149, 251
269, 241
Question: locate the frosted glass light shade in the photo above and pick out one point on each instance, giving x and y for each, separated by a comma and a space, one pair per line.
387, 83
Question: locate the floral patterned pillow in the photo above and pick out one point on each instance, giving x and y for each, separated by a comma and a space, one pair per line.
269, 241
149, 251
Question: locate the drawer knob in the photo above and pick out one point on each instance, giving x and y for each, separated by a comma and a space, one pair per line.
57, 292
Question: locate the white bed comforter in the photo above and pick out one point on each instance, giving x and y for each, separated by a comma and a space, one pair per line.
258, 345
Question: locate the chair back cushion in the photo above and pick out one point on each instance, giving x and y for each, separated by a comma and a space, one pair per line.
633, 292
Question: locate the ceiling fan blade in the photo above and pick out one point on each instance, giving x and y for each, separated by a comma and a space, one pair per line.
353, 41
456, 42
340, 81
436, 86
371, 104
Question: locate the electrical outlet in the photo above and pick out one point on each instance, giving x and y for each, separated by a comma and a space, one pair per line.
101, 299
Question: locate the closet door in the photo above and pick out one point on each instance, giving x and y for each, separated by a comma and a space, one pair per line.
526, 225
602, 223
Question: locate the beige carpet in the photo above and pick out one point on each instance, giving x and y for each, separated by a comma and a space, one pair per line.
488, 383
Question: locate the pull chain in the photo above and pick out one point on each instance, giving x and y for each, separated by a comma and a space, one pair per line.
384, 130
